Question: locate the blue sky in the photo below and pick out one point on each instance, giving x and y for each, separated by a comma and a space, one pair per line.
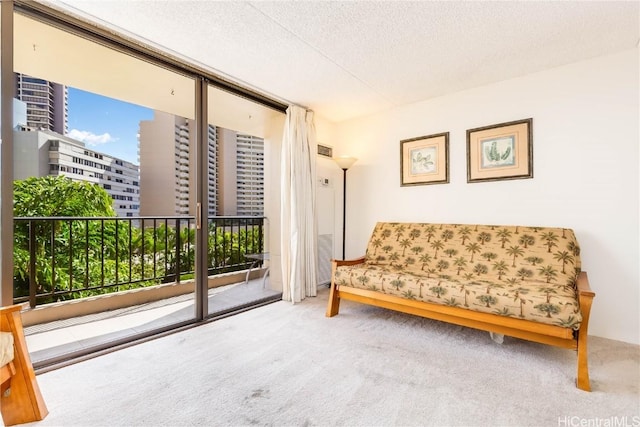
105, 124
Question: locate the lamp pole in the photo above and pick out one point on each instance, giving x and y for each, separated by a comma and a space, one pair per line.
344, 208
344, 163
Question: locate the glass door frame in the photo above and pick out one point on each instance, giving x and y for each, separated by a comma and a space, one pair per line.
100, 35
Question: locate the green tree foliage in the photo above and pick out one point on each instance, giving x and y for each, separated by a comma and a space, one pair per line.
73, 244
96, 252
59, 196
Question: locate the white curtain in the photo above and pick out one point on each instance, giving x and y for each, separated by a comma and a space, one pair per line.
298, 205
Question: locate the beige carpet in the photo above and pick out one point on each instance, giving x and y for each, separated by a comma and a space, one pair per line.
285, 365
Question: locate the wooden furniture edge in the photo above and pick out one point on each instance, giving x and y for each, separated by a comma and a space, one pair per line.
585, 299
532, 331
6, 373
334, 301
340, 262
25, 402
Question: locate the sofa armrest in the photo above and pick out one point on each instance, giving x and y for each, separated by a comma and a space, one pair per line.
334, 299
10, 309
584, 289
340, 262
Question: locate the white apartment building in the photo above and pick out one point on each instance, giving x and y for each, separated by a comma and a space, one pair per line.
166, 177
42, 153
47, 103
250, 175
213, 175
235, 169
240, 174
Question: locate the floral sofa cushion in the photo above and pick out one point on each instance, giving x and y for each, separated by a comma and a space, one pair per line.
520, 272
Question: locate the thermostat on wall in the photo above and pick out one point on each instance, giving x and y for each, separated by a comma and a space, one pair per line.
325, 151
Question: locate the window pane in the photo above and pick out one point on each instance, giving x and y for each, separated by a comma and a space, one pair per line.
238, 138
87, 118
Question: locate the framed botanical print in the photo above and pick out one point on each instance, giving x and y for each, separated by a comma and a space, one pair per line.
425, 160
502, 151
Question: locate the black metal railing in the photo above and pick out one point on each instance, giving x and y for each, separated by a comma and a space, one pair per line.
63, 258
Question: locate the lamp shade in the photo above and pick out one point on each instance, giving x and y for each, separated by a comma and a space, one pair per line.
345, 162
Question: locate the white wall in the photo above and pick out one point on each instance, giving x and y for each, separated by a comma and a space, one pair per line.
329, 211
585, 150
272, 155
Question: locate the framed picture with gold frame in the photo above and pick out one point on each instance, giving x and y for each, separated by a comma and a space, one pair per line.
502, 151
424, 160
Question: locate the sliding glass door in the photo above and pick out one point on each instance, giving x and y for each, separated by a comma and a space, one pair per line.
104, 192
240, 133
145, 192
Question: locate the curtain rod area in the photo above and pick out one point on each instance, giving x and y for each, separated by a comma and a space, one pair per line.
97, 33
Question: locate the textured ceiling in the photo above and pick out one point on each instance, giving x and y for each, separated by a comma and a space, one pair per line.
349, 59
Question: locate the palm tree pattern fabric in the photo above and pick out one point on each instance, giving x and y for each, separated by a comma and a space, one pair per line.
520, 272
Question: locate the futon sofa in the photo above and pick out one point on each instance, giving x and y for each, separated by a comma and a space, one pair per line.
524, 282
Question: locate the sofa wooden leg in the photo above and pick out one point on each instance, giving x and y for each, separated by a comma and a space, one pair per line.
585, 297
334, 301
582, 381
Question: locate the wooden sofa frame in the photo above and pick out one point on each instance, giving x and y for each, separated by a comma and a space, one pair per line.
21, 400
524, 329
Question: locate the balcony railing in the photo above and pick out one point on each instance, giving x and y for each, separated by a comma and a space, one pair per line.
64, 258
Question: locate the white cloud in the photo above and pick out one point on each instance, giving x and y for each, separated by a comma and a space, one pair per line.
90, 138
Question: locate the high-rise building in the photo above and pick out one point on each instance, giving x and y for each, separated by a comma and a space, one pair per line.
47, 103
250, 175
42, 153
235, 172
166, 176
240, 174
213, 175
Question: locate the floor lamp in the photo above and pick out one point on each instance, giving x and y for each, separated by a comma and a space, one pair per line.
345, 163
